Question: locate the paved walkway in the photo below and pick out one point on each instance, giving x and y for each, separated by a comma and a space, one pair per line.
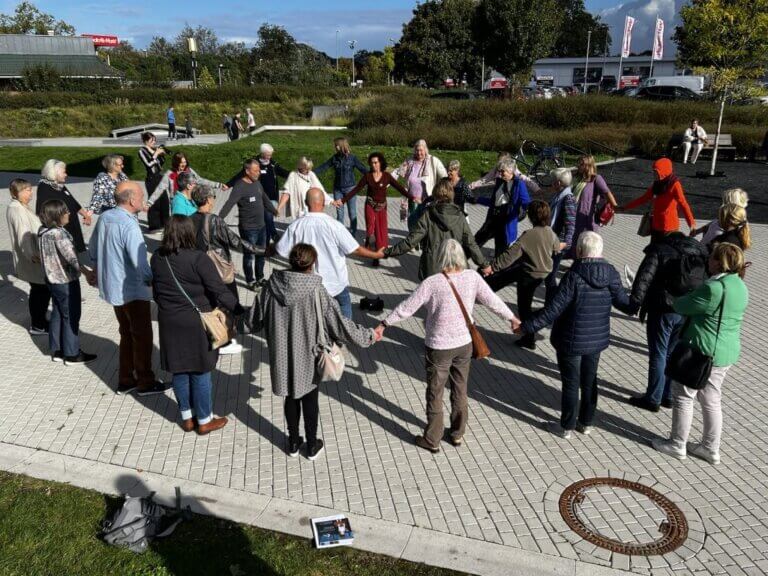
497, 489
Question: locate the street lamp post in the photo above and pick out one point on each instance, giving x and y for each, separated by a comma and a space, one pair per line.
192, 46
352, 47
586, 62
389, 76
337, 49
221, 67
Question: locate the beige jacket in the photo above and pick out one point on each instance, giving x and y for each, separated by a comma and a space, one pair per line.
296, 186
23, 225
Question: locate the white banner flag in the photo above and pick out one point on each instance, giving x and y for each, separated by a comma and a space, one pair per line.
658, 40
629, 23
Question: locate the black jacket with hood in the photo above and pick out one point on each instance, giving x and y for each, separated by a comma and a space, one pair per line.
439, 222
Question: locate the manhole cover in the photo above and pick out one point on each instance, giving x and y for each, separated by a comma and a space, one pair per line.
623, 516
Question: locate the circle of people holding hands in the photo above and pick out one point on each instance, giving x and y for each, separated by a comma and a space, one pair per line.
689, 293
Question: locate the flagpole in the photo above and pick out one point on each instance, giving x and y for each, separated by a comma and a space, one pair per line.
621, 55
653, 47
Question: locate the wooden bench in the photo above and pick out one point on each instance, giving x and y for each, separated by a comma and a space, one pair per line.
725, 148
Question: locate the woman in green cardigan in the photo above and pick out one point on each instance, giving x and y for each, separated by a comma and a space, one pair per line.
702, 307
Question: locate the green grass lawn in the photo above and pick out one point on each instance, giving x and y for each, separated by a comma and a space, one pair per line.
220, 161
48, 528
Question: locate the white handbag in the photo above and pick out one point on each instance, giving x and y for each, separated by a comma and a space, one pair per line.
329, 360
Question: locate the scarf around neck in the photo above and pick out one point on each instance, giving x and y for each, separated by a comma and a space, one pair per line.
556, 204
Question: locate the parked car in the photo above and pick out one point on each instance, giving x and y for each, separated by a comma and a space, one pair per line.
693, 83
665, 93
626, 91
458, 95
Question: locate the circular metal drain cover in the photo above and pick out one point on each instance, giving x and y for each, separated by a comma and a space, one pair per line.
623, 516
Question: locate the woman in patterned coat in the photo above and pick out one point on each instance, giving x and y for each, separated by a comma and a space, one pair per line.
291, 330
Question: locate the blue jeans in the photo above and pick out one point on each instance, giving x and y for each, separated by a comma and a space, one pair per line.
351, 209
662, 330
64, 327
269, 220
578, 373
345, 302
414, 213
193, 394
257, 237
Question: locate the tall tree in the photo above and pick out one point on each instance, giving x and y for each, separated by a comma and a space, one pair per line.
726, 40
27, 19
513, 34
437, 43
577, 22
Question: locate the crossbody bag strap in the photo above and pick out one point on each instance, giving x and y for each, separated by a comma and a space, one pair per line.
320, 323
207, 231
719, 317
168, 262
467, 319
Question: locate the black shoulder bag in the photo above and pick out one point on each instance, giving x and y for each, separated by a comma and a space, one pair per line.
689, 365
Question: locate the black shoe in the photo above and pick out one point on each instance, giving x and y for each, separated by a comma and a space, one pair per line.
81, 358
313, 452
294, 446
157, 388
57, 356
667, 403
126, 388
375, 263
421, 442
644, 403
253, 285
528, 343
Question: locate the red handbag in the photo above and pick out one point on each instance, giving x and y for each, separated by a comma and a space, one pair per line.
604, 215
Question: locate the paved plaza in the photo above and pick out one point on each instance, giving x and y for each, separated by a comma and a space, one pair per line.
500, 487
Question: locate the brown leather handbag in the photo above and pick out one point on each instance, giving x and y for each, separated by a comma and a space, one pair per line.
480, 349
224, 267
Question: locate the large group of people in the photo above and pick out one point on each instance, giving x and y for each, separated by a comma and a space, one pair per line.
688, 292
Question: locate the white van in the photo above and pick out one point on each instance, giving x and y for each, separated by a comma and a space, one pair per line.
695, 83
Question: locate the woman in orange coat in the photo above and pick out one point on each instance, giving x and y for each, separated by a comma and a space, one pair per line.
667, 195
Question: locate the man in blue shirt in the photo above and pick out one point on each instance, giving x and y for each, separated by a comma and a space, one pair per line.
171, 116
124, 277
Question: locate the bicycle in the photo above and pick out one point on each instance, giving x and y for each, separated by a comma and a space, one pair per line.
542, 163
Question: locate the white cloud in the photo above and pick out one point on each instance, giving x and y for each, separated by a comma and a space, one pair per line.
644, 12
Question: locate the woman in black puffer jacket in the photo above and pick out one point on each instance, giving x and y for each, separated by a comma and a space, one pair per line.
581, 313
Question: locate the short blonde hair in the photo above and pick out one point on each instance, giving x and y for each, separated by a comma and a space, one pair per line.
589, 245
451, 255
562, 175
305, 163
729, 257
51, 168
443, 191
736, 196
110, 161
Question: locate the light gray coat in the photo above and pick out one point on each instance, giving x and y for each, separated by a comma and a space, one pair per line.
23, 225
291, 331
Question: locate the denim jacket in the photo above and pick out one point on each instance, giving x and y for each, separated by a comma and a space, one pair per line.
344, 170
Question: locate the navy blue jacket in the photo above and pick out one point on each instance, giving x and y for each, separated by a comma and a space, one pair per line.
344, 170
581, 308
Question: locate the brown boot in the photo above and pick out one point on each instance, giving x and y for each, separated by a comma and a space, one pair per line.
214, 424
422, 442
188, 425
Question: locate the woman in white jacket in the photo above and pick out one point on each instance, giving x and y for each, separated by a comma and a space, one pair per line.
296, 186
695, 137
421, 172
23, 225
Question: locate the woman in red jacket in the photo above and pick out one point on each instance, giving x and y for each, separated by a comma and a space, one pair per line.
667, 194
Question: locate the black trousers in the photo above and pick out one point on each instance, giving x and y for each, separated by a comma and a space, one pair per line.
494, 228
526, 288
293, 408
578, 373
39, 298
159, 213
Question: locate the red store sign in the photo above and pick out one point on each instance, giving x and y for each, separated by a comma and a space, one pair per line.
103, 39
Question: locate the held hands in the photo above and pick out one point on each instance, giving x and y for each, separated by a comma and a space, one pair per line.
515, 323
337, 203
487, 271
224, 187
87, 217
378, 333
562, 246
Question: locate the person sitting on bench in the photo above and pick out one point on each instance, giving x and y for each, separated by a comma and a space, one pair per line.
695, 137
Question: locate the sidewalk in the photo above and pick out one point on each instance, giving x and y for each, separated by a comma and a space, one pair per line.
485, 508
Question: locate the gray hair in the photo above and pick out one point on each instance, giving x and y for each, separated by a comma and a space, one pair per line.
184, 179
507, 164
589, 245
110, 161
454, 165
562, 175
201, 194
50, 168
451, 255
421, 142
266, 149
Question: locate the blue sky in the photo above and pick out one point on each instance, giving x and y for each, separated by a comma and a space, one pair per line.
372, 24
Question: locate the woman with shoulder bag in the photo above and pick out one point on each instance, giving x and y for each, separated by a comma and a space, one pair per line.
292, 299
185, 283
449, 298
714, 312
216, 239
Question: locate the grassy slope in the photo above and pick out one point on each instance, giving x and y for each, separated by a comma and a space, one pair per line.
50, 528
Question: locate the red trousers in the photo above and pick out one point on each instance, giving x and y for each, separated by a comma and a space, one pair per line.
376, 227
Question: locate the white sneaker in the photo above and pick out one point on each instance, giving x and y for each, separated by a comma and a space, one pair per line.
586, 430
669, 448
232, 348
558, 430
700, 451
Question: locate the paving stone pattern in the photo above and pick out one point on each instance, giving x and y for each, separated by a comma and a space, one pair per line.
498, 487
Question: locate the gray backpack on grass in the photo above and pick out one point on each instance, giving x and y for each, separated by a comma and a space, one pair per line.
140, 520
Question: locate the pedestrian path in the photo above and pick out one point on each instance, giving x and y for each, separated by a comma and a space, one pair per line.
499, 490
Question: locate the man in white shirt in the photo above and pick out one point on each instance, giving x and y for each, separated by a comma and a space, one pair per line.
333, 243
695, 137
